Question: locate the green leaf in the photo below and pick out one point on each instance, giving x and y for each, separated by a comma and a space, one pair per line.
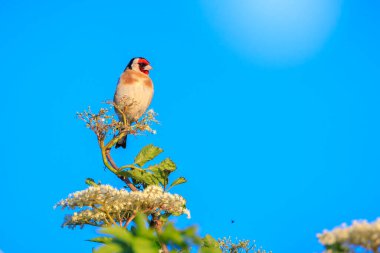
147, 154
337, 248
210, 242
167, 164
141, 230
183, 240
144, 245
111, 248
162, 170
159, 174
171, 234
118, 232
141, 240
140, 176
210, 250
102, 239
165, 167
178, 181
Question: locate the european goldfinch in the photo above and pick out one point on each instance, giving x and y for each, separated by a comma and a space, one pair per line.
134, 92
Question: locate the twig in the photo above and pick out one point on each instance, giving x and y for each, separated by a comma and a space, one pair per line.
116, 139
124, 179
157, 225
129, 220
109, 216
105, 159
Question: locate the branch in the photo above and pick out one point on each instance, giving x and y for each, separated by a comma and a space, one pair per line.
112, 168
157, 225
119, 110
129, 220
117, 138
109, 216
124, 179
111, 165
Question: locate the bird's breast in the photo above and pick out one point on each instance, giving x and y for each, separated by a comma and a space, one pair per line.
134, 97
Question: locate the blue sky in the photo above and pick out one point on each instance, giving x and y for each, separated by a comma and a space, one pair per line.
270, 111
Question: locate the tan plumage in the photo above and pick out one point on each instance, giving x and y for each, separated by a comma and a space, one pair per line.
134, 91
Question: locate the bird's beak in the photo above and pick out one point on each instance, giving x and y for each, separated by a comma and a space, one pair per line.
148, 67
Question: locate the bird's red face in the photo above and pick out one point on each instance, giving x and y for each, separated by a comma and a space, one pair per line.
139, 64
144, 66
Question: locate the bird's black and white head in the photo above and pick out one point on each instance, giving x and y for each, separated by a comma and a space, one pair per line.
139, 64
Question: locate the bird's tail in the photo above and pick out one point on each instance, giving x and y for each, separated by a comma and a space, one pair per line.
122, 143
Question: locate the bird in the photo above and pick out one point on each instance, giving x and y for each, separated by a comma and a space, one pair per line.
134, 92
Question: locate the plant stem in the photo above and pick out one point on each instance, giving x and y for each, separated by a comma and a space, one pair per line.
111, 165
124, 179
157, 225
130, 166
109, 216
129, 220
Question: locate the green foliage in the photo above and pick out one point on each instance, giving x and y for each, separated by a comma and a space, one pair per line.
141, 239
337, 248
180, 180
210, 245
147, 154
140, 176
209, 242
179, 239
157, 174
162, 171
102, 239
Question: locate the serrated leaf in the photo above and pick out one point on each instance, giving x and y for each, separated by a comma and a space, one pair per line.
136, 175
178, 181
161, 177
162, 170
147, 154
168, 165
141, 176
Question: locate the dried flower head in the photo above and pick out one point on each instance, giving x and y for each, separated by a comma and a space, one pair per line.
103, 123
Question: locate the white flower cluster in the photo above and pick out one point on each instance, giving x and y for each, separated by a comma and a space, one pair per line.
360, 233
102, 204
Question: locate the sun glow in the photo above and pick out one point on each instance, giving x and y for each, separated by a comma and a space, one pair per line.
275, 31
